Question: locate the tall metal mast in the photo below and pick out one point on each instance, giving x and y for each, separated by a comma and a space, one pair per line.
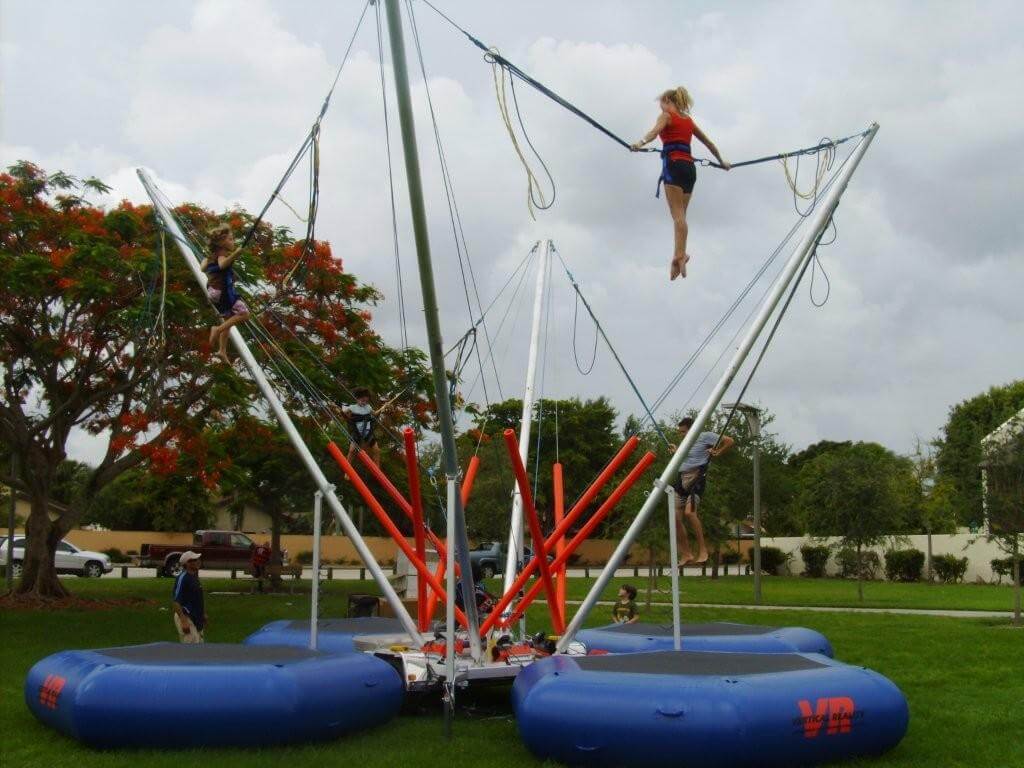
802, 253
434, 341
325, 487
514, 556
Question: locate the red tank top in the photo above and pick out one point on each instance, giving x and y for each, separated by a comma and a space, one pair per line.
678, 130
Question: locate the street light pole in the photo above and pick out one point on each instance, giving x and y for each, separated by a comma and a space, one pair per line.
753, 416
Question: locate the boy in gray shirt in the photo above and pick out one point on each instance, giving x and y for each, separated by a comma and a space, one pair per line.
690, 488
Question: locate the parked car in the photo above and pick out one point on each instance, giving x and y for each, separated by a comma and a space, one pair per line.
68, 559
219, 549
488, 559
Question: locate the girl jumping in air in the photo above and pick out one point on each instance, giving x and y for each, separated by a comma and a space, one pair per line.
220, 287
676, 128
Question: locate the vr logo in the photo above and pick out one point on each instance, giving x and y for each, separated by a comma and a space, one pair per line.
837, 711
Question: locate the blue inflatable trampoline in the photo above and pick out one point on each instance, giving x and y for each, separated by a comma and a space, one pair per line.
174, 695
716, 636
671, 708
333, 635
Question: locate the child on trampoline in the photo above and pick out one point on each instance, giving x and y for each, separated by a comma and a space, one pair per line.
624, 611
220, 287
676, 129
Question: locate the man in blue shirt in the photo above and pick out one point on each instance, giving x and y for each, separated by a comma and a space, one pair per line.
690, 488
189, 611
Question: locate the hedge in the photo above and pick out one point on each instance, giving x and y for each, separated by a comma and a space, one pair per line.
847, 560
815, 560
904, 564
949, 568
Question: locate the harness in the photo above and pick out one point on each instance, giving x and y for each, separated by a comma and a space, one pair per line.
672, 146
228, 295
696, 488
363, 423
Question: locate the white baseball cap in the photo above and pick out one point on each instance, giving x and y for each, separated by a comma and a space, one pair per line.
187, 556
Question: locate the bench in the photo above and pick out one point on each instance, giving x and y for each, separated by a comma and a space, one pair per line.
278, 571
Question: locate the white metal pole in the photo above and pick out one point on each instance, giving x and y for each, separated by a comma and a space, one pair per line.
677, 632
314, 608
192, 259
792, 268
449, 618
515, 531
754, 418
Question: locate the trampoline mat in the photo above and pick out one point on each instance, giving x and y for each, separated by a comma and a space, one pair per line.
697, 663
362, 625
209, 653
717, 628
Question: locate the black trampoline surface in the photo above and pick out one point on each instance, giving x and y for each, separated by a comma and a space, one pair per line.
361, 625
209, 653
697, 663
689, 630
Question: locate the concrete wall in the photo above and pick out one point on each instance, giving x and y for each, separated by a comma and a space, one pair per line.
978, 551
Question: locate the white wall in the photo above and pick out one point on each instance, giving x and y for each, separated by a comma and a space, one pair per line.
978, 551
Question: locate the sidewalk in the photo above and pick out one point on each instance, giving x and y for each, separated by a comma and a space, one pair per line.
833, 609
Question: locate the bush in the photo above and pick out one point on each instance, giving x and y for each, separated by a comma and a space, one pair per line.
1003, 566
904, 564
815, 560
949, 568
116, 555
848, 566
303, 558
731, 558
773, 559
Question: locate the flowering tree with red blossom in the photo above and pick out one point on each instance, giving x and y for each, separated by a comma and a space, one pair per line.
82, 346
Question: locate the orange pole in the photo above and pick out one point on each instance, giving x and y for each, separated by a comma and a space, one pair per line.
558, 494
467, 480
412, 467
535, 530
585, 532
578, 509
396, 496
390, 527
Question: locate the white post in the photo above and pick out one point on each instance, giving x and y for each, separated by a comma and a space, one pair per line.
449, 618
514, 555
677, 632
192, 259
792, 268
314, 609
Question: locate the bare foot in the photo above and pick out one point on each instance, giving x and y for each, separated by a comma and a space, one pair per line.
213, 335
678, 267
223, 355
682, 267
701, 558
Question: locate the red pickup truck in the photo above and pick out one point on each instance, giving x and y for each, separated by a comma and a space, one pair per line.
219, 549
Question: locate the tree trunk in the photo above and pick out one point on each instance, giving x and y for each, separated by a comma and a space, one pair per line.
860, 575
275, 545
928, 563
42, 537
714, 564
1016, 581
651, 578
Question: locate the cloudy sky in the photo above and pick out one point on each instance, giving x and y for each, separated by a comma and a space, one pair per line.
214, 97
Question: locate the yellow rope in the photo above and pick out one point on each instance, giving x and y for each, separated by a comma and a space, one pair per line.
289, 207
502, 98
821, 169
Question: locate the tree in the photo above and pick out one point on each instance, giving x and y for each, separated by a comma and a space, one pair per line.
583, 441
142, 500
861, 493
936, 510
959, 453
1003, 462
83, 347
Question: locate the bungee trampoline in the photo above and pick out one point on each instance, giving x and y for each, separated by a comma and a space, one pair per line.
714, 636
333, 635
208, 695
670, 708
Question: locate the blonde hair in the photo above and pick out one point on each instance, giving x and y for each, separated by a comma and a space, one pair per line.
679, 98
217, 234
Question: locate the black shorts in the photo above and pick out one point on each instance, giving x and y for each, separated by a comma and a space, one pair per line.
364, 442
681, 173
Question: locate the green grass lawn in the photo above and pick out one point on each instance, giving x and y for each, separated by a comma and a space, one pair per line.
799, 591
964, 680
